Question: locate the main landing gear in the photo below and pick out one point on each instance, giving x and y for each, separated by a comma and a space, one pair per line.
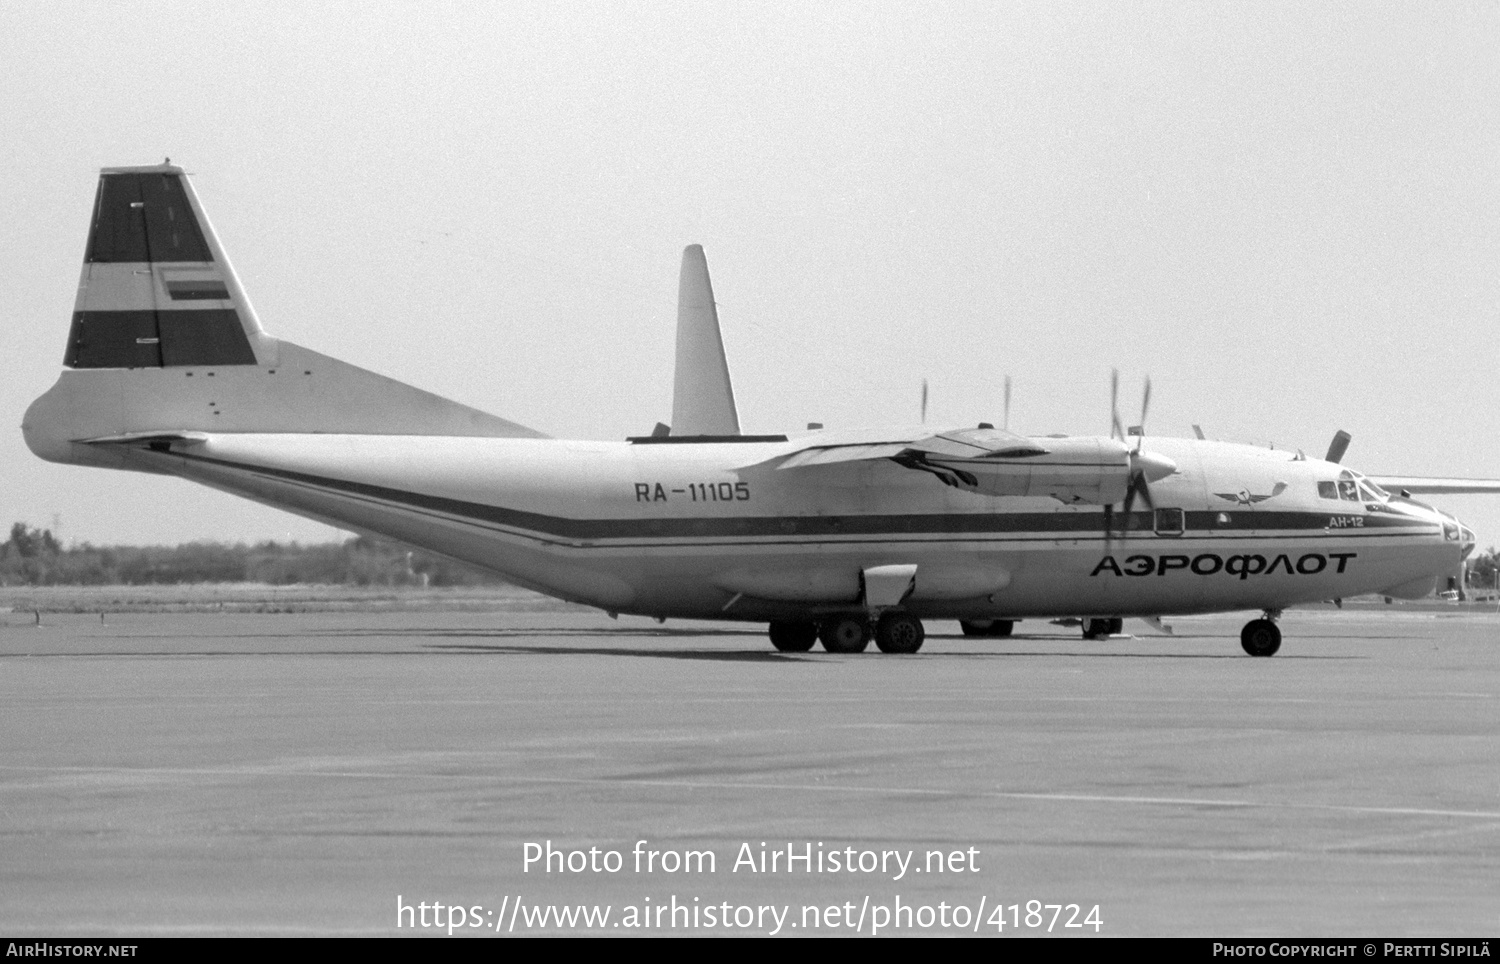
1262, 637
899, 633
893, 632
793, 637
987, 627
1103, 628
845, 634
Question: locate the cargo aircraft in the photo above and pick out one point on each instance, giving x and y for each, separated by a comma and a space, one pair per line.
839, 535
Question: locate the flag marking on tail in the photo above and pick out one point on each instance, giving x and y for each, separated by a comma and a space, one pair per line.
147, 269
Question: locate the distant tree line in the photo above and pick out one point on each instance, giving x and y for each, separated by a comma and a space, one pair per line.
33, 557
1483, 568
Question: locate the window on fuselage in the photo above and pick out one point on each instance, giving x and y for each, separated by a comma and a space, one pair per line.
1328, 490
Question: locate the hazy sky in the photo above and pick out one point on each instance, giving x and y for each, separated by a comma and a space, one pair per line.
1287, 214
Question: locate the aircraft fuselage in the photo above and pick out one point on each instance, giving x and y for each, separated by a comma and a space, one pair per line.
686, 530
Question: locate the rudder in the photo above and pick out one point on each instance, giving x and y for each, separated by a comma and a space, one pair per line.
157, 290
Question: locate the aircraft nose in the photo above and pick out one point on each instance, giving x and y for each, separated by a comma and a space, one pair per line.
1456, 531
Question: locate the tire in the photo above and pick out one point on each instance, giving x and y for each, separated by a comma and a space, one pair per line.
1002, 627
1260, 637
1096, 628
1116, 626
899, 633
844, 634
793, 637
977, 627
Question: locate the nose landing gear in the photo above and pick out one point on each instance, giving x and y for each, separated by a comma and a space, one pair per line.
1262, 637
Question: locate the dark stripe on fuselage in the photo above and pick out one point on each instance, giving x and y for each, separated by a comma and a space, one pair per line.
897, 527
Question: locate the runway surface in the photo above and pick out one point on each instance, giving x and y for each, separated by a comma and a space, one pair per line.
311, 774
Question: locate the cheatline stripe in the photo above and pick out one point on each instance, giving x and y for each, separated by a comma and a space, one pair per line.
1018, 523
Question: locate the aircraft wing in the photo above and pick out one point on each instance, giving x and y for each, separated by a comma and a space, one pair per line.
1418, 485
860, 445
985, 461
145, 438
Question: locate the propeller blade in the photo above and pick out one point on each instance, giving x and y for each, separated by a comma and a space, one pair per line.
1339, 446
1115, 431
1006, 423
1125, 512
1139, 489
924, 401
1140, 482
1145, 404
1198, 431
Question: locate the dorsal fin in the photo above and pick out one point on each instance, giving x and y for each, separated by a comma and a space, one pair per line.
702, 396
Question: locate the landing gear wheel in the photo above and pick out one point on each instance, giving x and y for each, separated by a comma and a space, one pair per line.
1260, 637
1098, 628
1116, 626
793, 637
987, 627
899, 633
844, 634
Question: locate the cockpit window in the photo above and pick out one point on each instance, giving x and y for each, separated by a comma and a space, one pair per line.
1348, 490
1368, 492
1328, 490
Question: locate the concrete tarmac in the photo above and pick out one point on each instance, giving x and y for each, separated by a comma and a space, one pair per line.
194, 774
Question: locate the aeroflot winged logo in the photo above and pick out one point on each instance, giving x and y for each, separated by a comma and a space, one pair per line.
1210, 564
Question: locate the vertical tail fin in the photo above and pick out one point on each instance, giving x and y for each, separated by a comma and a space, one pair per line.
163, 340
157, 290
702, 396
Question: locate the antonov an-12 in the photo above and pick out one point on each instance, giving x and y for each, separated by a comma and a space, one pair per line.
840, 536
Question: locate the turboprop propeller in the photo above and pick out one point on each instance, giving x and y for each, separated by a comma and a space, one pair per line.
1115, 431
1338, 446
1145, 467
